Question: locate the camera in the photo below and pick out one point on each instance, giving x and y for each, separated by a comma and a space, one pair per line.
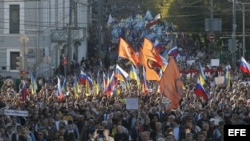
100, 131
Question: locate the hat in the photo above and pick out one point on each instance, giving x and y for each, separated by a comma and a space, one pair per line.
212, 119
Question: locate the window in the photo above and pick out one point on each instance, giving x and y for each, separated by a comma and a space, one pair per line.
13, 60
14, 19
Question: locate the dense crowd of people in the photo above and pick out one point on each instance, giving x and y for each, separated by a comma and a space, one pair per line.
101, 117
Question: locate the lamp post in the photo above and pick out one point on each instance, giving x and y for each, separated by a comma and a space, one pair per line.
234, 29
234, 35
24, 39
243, 27
243, 30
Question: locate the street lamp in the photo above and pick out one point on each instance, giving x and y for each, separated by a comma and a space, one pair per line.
23, 39
243, 27
234, 28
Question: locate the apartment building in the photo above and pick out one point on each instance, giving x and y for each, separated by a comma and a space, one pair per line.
35, 34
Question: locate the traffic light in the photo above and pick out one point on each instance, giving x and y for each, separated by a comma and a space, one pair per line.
232, 47
19, 63
236, 44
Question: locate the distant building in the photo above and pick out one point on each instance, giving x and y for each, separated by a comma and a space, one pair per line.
41, 29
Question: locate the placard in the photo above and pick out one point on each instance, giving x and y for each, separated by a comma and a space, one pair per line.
190, 62
215, 62
132, 103
16, 113
219, 80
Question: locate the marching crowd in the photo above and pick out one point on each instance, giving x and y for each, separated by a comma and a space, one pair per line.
102, 117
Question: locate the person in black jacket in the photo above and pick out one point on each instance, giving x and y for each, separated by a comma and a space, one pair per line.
121, 135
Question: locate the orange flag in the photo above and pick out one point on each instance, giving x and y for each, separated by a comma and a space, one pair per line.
171, 83
126, 51
151, 53
151, 74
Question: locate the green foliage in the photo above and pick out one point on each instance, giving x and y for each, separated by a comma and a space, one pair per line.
189, 15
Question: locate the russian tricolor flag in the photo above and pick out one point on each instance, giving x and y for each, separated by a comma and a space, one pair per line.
120, 73
111, 84
83, 78
200, 91
158, 46
90, 82
173, 51
59, 89
244, 66
24, 91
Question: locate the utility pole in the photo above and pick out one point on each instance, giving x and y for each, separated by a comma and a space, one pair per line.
75, 44
243, 27
243, 30
211, 15
69, 49
211, 34
24, 39
100, 5
234, 35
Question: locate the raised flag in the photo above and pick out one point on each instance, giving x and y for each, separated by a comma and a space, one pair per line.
63, 86
150, 73
158, 46
83, 77
148, 15
120, 73
87, 89
200, 91
157, 17
227, 77
144, 83
244, 66
104, 81
90, 82
98, 82
127, 52
201, 79
33, 84
173, 51
24, 91
59, 89
150, 53
148, 56
202, 72
152, 23
171, 83
134, 75
97, 88
111, 84
110, 19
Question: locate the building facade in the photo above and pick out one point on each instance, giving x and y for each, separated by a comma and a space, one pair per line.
35, 34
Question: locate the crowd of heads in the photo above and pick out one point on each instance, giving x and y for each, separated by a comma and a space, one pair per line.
81, 117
